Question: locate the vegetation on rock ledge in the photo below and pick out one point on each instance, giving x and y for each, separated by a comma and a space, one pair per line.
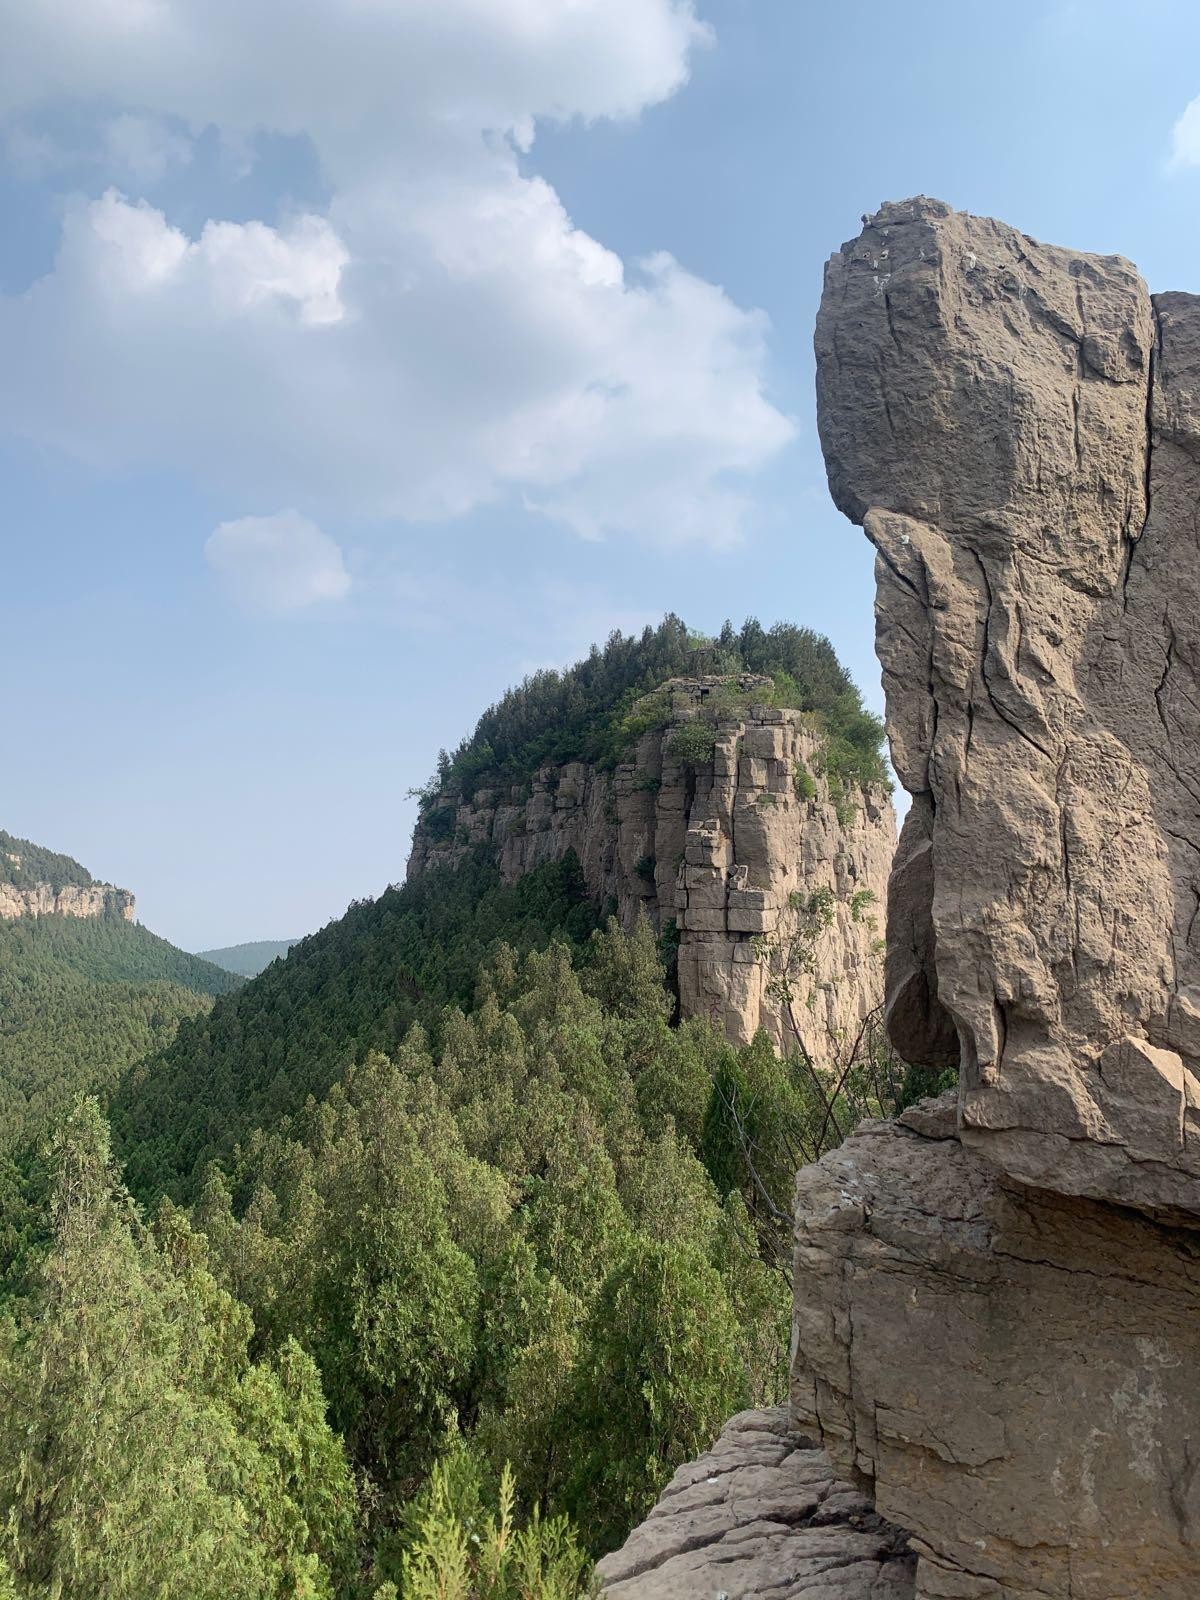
596, 710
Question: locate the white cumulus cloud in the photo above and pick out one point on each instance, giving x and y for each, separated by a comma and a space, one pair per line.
277, 564
443, 335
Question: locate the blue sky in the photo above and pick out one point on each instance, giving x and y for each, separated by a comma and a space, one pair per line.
349, 371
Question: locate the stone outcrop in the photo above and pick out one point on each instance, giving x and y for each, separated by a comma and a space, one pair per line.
72, 900
997, 1320
1011, 1373
761, 1514
726, 848
1017, 428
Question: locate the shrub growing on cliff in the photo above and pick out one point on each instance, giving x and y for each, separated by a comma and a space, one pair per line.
692, 743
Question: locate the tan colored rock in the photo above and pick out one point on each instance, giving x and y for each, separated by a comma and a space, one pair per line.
983, 406
72, 900
720, 850
1013, 1372
762, 1514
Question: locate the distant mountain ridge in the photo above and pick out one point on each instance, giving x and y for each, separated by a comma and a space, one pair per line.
84, 989
247, 960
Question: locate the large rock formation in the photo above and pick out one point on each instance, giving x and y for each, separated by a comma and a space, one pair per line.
70, 900
729, 847
988, 1333
761, 1514
987, 413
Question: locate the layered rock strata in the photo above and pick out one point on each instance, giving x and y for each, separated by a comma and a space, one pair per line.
998, 1299
729, 849
761, 1514
73, 900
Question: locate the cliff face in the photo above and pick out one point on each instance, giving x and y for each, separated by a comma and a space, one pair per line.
986, 1329
71, 900
731, 848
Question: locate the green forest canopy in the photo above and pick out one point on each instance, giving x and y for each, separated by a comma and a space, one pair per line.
472, 1241
357, 985
584, 712
453, 1149
81, 1000
24, 864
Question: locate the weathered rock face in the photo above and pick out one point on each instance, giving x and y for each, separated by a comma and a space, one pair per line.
722, 848
761, 1514
72, 900
986, 1332
1017, 428
1012, 1372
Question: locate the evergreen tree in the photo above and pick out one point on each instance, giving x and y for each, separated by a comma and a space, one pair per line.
142, 1453
658, 1376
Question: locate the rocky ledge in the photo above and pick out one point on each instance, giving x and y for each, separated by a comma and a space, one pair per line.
72, 900
761, 1514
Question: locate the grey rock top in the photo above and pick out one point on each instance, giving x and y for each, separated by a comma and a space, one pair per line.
761, 1514
1015, 427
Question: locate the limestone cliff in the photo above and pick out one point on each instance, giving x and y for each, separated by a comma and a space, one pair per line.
36, 882
727, 845
1010, 1372
70, 900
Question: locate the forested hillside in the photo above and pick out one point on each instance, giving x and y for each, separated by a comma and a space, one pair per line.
81, 1000
591, 711
23, 864
478, 1246
357, 985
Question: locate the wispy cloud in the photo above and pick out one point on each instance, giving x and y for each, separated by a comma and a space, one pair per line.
277, 564
1185, 138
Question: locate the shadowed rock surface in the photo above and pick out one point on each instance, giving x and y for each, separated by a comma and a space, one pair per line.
761, 1514
988, 415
